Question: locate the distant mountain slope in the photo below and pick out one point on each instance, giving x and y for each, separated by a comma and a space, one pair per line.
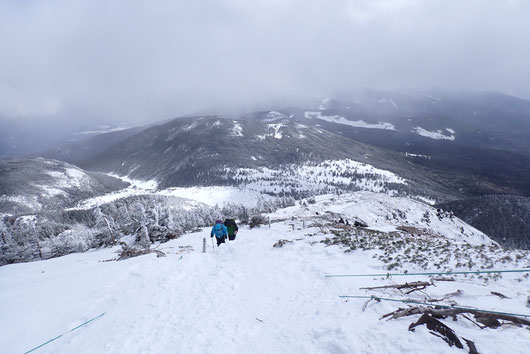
79, 151
504, 218
477, 134
34, 185
197, 151
33, 138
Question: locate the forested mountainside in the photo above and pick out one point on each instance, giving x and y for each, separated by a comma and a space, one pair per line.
505, 218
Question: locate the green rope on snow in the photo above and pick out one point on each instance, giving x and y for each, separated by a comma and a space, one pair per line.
424, 303
59, 336
432, 273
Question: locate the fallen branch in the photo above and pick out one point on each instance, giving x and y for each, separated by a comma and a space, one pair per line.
366, 303
415, 284
475, 323
480, 316
502, 296
446, 296
471, 346
442, 278
446, 333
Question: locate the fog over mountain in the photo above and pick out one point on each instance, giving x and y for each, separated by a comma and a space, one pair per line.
370, 160
100, 62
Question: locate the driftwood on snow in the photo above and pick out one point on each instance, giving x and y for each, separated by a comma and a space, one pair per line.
446, 296
442, 278
502, 296
471, 346
413, 286
488, 319
446, 333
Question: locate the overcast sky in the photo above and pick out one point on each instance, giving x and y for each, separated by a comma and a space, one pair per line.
133, 60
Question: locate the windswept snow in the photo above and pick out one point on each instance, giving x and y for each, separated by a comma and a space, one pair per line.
409, 154
391, 101
353, 123
70, 178
237, 129
213, 195
274, 115
437, 135
248, 296
104, 129
324, 104
429, 96
384, 212
273, 130
31, 202
62, 181
218, 195
276, 127
136, 187
317, 177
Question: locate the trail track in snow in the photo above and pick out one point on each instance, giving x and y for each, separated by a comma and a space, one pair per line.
245, 297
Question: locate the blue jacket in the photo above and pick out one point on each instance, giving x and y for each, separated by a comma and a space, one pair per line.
219, 230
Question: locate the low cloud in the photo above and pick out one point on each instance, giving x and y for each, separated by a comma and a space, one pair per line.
133, 61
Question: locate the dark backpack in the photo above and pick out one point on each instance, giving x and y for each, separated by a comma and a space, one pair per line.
231, 226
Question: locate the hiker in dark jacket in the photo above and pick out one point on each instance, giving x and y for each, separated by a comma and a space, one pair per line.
220, 232
232, 228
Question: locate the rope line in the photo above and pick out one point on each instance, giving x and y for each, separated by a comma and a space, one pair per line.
435, 305
433, 273
59, 336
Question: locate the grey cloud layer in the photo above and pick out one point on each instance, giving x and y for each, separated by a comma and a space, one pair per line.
140, 60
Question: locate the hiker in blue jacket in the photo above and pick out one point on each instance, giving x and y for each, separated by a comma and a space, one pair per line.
220, 231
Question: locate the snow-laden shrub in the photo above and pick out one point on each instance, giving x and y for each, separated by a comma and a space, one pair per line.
257, 221
78, 239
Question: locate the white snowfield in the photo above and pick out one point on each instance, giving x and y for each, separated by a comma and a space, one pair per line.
353, 123
237, 129
274, 115
104, 129
214, 195
63, 181
62, 184
273, 130
436, 135
136, 187
306, 177
245, 296
317, 177
218, 195
386, 213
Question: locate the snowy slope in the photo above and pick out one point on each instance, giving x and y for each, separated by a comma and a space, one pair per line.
212, 195
247, 295
353, 123
317, 178
32, 185
260, 184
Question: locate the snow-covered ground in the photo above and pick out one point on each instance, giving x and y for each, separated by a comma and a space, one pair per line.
353, 123
218, 195
248, 296
385, 213
436, 135
213, 195
104, 129
317, 177
259, 183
